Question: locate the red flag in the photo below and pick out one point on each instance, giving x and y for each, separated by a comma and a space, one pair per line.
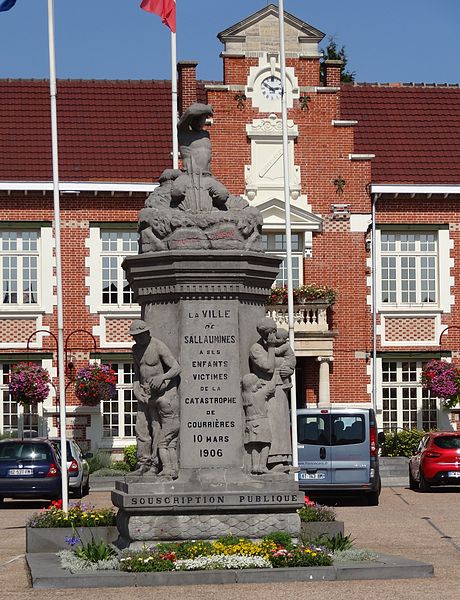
166, 9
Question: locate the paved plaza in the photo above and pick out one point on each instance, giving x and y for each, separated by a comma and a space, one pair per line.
419, 526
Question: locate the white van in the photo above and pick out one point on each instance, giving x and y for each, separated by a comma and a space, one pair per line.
338, 451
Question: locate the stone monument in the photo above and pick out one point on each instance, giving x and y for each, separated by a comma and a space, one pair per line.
211, 372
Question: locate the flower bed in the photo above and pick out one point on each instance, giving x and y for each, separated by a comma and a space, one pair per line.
51, 529
78, 515
317, 521
274, 551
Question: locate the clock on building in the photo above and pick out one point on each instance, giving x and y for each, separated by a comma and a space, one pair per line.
271, 88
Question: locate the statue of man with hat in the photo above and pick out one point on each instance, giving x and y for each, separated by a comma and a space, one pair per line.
155, 384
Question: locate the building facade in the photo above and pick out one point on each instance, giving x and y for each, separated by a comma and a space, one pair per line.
375, 185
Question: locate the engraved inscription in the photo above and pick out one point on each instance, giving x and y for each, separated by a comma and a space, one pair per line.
211, 416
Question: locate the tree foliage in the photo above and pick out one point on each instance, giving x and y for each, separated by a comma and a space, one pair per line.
332, 52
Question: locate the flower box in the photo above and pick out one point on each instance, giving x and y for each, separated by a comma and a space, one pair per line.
52, 539
314, 529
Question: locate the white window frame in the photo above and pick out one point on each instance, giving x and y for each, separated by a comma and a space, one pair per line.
46, 262
445, 281
122, 386
297, 255
400, 389
94, 267
22, 414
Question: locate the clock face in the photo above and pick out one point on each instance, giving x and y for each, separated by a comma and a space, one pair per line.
271, 88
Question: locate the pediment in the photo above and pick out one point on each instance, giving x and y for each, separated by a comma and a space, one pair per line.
258, 31
273, 213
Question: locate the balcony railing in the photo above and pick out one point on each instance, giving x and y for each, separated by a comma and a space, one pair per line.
308, 318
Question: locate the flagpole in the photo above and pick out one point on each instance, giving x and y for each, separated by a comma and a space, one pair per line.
287, 200
57, 236
175, 142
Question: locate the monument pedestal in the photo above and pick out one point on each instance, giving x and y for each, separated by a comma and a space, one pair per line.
185, 509
205, 308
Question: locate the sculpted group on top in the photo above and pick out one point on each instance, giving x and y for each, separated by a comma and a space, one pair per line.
191, 209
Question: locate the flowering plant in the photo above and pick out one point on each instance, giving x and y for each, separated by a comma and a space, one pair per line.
78, 515
28, 384
304, 293
442, 379
312, 511
95, 383
225, 553
312, 291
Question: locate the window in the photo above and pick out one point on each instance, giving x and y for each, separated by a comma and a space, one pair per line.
11, 416
115, 245
275, 243
404, 403
409, 267
119, 414
19, 272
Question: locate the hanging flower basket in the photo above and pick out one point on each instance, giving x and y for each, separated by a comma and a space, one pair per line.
442, 379
95, 383
28, 384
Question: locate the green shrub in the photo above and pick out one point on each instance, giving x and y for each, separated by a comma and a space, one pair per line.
120, 465
101, 460
335, 543
108, 472
95, 551
402, 443
130, 456
281, 538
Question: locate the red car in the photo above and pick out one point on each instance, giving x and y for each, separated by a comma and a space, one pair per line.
436, 462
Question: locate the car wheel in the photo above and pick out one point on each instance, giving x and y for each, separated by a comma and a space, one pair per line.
79, 492
373, 499
86, 488
412, 483
423, 485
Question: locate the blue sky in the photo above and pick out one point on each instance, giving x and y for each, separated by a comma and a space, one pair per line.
385, 40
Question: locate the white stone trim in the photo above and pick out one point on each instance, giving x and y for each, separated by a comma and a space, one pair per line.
359, 223
410, 188
326, 90
269, 65
37, 341
101, 329
361, 156
445, 281
411, 343
445, 269
343, 123
77, 186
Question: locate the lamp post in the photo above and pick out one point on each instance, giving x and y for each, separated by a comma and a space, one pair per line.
68, 373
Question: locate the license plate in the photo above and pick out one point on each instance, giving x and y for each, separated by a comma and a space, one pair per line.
20, 472
312, 475
453, 474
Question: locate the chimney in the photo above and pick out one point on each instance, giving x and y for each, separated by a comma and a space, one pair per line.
186, 84
332, 69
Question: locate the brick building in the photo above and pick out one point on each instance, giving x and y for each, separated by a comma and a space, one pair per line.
361, 158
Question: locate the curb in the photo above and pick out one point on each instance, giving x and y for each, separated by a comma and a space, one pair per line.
46, 573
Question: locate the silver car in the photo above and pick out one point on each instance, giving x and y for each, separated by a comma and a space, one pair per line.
77, 467
338, 451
